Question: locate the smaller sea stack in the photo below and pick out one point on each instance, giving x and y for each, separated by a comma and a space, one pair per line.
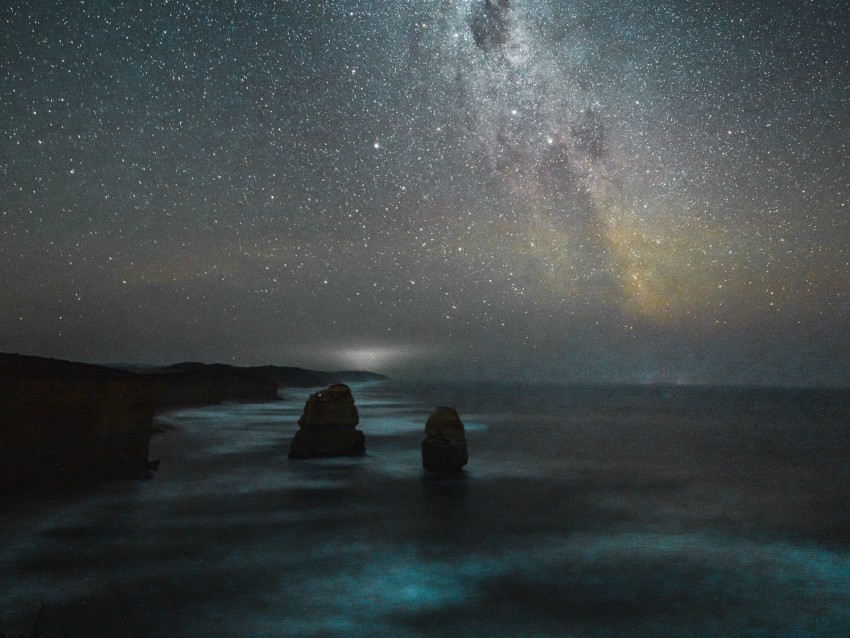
444, 447
328, 426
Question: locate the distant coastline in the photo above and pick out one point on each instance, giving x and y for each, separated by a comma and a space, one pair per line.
64, 422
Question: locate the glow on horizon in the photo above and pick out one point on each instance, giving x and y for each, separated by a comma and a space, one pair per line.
374, 358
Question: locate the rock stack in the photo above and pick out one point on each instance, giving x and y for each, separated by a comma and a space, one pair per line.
444, 447
328, 426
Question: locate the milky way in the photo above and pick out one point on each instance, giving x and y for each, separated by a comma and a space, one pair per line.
587, 191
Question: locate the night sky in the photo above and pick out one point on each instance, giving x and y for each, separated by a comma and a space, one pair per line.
575, 190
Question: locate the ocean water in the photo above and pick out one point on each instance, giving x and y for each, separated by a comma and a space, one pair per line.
584, 511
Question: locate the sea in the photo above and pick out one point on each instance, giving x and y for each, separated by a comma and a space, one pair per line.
585, 511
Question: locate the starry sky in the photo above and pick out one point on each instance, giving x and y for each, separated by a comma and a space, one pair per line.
601, 191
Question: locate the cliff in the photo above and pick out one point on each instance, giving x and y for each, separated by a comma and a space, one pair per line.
62, 421
301, 378
191, 383
200, 384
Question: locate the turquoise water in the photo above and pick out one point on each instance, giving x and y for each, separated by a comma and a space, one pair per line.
584, 511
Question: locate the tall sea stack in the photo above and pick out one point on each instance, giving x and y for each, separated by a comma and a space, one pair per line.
328, 426
444, 447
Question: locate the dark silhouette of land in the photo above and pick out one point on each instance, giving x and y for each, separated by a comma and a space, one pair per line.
63, 422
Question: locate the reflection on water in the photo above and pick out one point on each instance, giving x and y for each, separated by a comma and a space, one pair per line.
582, 512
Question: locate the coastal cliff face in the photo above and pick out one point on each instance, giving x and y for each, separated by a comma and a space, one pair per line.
192, 383
203, 384
63, 421
67, 422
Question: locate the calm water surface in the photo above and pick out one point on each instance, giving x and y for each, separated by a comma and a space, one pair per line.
583, 512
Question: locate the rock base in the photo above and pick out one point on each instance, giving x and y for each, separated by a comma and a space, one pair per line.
327, 442
443, 455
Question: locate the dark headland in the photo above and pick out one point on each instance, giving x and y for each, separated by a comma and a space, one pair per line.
65, 422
